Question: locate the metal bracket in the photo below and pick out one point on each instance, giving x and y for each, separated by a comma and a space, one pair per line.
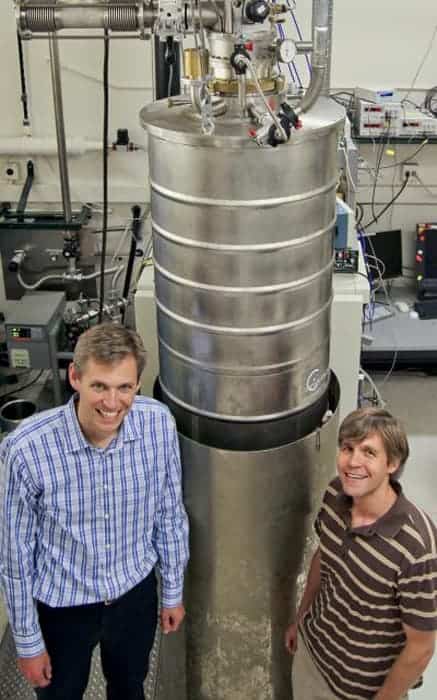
170, 20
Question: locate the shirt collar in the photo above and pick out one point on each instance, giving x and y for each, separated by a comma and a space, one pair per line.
77, 441
389, 524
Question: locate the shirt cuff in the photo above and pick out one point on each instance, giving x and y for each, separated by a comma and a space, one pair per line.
171, 596
28, 645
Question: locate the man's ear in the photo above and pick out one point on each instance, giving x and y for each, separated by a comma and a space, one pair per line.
394, 466
73, 376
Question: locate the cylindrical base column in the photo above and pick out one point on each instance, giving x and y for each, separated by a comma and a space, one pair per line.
251, 516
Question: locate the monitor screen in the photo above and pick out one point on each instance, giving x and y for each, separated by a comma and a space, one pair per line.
387, 247
431, 253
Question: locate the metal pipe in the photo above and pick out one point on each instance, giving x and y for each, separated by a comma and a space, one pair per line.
122, 16
329, 18
31, 287
67, 277
304, 46
242, 95
322, 10
229, 22
60, 128
63, 37
21, 206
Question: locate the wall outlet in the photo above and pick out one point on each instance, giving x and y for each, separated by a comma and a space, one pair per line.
11, 172
410, 168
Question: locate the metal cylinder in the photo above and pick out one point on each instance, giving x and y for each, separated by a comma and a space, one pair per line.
251, 516
60, 128
13, 412
35, 16
243, 262
323, 13
243, 245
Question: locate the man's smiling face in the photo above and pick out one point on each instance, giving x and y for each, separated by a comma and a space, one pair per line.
363, 466
106, 393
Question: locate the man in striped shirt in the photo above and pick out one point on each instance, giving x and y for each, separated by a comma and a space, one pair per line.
366, 624
90, 504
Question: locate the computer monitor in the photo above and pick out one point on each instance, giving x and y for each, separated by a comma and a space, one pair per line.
430, 252
387, 247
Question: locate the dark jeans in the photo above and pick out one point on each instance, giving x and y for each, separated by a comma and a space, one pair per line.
125, 630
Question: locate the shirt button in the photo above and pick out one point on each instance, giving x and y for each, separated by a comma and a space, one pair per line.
108, 546
106, 516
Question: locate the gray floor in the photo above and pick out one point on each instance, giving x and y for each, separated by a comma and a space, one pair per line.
413, 398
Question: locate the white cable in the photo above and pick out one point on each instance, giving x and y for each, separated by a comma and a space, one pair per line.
121, 242
276, 121
379, 262
407, 159
425, 187
348, 170
367, 376
390, 371
95, 79
422, 63
382, 281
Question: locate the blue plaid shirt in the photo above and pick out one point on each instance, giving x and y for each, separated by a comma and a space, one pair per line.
81, 524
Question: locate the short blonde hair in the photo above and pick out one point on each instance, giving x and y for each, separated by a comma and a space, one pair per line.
109, 343
364, 421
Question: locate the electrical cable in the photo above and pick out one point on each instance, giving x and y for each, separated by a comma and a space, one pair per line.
378, 261
170, 80
382, 283
360, 233
379, 157
274, 117
390, 204
391, 370
112, 85
24, 102
348, 170
422, 63
299, 34
407, 159
430, 96
21, 388
378, 395
425, 187
105, 171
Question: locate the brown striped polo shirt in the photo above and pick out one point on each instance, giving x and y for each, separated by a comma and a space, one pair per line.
373, 579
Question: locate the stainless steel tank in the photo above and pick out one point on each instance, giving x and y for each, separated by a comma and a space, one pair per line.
243, 245
243, 260
251, 518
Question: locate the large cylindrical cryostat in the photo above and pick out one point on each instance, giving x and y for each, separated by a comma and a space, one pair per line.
243, 187
243, 263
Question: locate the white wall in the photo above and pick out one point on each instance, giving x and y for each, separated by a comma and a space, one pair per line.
375, 44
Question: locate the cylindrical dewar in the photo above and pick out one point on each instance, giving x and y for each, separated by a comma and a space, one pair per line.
252, 537
243, 245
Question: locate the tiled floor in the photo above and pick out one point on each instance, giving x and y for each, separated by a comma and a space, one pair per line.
413, 398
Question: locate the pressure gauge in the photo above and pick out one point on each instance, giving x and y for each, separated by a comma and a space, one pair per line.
286, 50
